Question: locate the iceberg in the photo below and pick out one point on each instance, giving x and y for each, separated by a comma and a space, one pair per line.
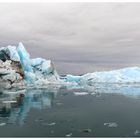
125, 75
16, 65
124, 81
17, 68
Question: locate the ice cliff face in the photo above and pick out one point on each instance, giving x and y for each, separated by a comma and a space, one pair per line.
18, 69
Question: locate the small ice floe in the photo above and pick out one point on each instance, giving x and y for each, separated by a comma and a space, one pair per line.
2, 124
80, 93
111, 124
137, 132
69, 135
51, 124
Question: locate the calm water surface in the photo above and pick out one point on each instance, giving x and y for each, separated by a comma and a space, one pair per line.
71, 112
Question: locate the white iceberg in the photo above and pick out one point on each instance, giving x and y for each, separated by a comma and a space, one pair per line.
125, 75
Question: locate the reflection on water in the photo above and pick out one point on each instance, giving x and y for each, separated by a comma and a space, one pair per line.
14, 106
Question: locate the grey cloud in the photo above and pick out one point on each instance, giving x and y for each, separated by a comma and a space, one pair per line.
78, 37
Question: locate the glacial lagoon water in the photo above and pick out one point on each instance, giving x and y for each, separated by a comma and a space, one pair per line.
99, 111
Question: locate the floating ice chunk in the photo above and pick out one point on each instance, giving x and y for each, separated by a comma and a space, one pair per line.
80, 93
69, 135
111, 124
2, 124
51, 124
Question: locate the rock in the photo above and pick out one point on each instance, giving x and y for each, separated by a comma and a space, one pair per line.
86, 130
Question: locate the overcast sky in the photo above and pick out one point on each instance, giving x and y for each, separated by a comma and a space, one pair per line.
77, 37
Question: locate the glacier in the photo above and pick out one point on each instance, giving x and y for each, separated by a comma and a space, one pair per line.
18, 69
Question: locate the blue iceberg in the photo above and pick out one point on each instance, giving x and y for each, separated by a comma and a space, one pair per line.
125, 75
36, 71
